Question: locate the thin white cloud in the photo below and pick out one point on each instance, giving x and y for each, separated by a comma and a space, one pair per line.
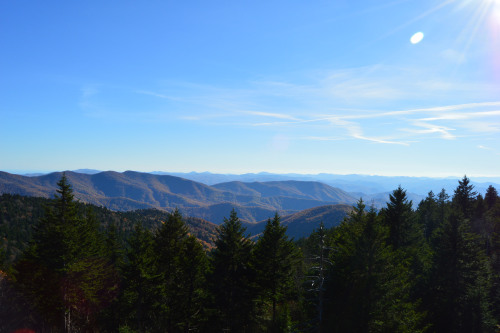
322, 138
464, 116
318, 104
432, 129
269, 114
151, 93
377, 140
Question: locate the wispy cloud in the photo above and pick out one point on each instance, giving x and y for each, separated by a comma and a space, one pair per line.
443, 131
159, 95
348, 104
269, 114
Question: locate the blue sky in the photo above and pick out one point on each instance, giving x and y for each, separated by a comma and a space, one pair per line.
251, 86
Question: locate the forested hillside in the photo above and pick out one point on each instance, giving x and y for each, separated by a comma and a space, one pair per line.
135, 190
399, 269
19, 215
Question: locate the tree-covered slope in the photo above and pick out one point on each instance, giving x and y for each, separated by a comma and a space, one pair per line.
19, 214
134, 190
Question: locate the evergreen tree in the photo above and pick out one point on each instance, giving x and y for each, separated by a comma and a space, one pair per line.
192, 277
428, 214
491, 197
275, 262
399, 217
62, 271
232, 277
113, 248
168, 244
458, 294
181, 265
464, 197
368, 289
141, 282
110, 317
493, 251
443, 205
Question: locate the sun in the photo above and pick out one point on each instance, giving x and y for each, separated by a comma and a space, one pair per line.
494, 7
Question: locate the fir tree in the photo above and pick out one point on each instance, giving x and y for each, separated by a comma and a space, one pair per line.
491, 197
141, 282
232, 277
168, 244
399, 217
368, 289
193, 293
275, 262
464, 197
458, 294
63, 270
181, 265
428, 214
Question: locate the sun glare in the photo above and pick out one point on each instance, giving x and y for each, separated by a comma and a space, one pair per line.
417, 38
494, 8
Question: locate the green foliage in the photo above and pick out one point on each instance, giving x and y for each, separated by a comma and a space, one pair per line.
275, 259
63, 271
458, 292
181, 263
491, 197
399, 217
464, 196
428, 215
79, 269
231, 279
368, 289
141, 282
19, 216
192, 286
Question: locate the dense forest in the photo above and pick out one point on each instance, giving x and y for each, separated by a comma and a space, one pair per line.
78, 269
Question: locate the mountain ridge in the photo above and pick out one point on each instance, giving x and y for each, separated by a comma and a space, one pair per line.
132, 190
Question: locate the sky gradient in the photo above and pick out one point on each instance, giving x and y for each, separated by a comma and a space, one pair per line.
233, 87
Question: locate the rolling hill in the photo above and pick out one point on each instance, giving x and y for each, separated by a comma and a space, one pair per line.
134, 190
303, 223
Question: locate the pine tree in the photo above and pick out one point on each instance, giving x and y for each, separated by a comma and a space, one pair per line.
399, 217
428, 214
49, 257
141, 282
232, 277
464, 197
63, 270
368, 289
443, 205
110, 317
493, 252
275, 262
168, 244
491, 197
458, 293
181, 265
193, 296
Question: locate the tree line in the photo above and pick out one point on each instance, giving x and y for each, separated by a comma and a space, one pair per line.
432, 269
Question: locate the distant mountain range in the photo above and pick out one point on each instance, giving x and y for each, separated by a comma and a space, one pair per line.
364, 184
130, 190
302, 200
369, 186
